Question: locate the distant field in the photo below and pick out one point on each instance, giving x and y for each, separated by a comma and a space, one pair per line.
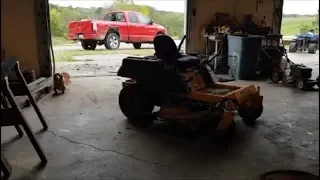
291, 26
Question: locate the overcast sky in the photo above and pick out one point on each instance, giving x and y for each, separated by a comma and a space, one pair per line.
290, 6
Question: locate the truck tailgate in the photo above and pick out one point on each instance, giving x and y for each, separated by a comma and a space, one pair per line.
80, 27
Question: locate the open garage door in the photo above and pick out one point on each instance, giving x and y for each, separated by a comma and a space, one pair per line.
82, 41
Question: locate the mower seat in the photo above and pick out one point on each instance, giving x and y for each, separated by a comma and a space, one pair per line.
166, 49
187, 61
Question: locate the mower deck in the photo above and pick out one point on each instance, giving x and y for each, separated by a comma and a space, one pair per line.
220, 91
216, 91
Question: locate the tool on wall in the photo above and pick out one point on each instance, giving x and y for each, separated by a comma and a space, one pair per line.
258, 3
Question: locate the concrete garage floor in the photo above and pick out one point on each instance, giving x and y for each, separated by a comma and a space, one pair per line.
89, 138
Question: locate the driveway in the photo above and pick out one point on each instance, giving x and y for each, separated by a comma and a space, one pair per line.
101, 65
123, 45
77, 46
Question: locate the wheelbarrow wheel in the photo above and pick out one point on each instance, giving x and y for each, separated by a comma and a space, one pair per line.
249, 115
135, 104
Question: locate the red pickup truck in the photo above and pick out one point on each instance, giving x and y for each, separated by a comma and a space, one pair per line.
116, 27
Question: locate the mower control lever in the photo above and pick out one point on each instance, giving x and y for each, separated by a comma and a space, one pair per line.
181, 42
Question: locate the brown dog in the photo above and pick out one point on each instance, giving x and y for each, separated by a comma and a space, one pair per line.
60, 81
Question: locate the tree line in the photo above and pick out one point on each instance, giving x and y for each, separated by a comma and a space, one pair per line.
174, 22
61, 16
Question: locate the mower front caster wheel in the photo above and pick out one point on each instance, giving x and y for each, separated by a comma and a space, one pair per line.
249, 115
135, 104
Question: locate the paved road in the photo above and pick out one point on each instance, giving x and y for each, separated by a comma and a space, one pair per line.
77, 46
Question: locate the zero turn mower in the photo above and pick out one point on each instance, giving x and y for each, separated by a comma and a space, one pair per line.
184, 87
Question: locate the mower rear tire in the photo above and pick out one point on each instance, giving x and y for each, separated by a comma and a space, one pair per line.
293, 47
135, 104
312, 48
249, 115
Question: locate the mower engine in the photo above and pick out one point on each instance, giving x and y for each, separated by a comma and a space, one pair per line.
299, 71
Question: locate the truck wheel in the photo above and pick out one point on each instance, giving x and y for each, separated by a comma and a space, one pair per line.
89, 45
312, 48
134, 104
293, 47
137, 45
112, 41
159, 33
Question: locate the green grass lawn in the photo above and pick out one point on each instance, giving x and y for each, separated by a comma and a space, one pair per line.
61, 41
67, 56
291, 26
